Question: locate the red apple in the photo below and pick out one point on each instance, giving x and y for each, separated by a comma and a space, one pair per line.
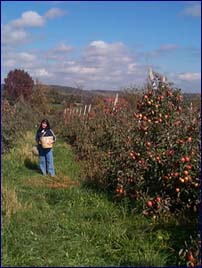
190, 139
158, 199
190, 257
187, 158
149, 203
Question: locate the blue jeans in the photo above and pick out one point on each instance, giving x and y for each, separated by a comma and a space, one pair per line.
46, 161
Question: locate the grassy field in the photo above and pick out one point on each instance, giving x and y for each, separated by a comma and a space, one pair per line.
60, 222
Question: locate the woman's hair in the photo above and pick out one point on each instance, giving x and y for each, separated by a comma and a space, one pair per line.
44, 121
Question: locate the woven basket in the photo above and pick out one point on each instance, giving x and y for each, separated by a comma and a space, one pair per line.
35, 150
47, 142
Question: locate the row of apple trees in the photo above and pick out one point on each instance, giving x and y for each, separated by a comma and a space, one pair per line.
149, 155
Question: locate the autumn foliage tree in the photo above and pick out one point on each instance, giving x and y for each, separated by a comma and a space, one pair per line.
18, 84
39, 100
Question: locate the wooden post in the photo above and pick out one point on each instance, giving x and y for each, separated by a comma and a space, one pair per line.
115, 101
85, 110
64, 113
89, 108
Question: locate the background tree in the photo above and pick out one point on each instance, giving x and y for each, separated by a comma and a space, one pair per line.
18, 84
131, 94
39, 101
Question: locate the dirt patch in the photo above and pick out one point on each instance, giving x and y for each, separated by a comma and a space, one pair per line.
57, 185
61, 182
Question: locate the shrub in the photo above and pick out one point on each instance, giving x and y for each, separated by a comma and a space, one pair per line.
16, 120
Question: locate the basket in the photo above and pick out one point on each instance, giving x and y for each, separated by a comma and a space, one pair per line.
47, 142
35, 150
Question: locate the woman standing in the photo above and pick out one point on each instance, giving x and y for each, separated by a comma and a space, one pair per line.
45, 154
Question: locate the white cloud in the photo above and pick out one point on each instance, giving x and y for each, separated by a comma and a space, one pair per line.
162, 50
189, 76
168, 47
61, 48
42, 73
54, 13
99, 44
33, 19
29, 19
12, 36
24, 56
187, 81
132, 67
101, 47
193, 11
81, 70
59, 52
9, 63
22, 60
71, 62
14, 32
100, 65
21, 57
107, 56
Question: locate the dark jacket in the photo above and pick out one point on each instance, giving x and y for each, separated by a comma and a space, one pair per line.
40, 133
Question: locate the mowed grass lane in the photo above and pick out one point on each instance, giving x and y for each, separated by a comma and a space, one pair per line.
60, 222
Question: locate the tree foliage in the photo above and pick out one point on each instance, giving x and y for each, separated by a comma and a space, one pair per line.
18, 84
39, 101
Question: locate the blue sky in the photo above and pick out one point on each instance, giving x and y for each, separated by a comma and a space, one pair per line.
103, 44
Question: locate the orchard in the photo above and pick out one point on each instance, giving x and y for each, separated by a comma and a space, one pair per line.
149, 156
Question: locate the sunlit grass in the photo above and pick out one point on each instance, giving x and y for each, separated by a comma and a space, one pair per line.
60, 222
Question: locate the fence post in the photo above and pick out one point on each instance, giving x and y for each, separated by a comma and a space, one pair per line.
89, 108
115, 101
84, 110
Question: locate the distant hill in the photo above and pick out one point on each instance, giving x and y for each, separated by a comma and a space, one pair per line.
105, 92
76, 91
66, 89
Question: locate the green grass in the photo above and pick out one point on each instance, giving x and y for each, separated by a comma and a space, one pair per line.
60, 222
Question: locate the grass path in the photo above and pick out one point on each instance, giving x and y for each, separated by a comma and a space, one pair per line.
59, 222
